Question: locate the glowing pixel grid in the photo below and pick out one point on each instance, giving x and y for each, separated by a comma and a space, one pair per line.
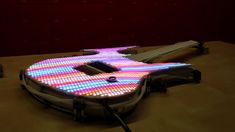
59, 73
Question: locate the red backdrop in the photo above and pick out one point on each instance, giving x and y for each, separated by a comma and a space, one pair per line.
47, 26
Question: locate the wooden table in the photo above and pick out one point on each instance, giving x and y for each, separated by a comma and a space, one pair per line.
205, 107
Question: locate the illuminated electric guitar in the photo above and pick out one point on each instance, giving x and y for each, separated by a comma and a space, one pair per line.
86, 85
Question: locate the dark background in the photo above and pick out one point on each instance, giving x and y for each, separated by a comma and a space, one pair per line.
48, 26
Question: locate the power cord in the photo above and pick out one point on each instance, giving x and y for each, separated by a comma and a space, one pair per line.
114, 114
1, 71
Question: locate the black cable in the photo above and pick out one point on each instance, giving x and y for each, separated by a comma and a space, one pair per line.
114, 114
43, 101
46, 103
1, 71
104, 104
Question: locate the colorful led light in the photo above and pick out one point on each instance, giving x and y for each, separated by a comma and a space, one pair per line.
59, 73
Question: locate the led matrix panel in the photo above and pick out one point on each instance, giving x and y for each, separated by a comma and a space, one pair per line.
60, 73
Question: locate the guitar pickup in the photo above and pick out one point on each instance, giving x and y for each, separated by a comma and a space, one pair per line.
96, 67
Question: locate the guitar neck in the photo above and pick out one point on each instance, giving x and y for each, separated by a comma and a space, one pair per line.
157, 53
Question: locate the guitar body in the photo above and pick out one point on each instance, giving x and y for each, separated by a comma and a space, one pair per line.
79, 84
